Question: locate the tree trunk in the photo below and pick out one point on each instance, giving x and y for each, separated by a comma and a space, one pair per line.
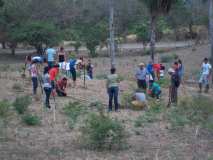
111, 30
153, 37
211, 29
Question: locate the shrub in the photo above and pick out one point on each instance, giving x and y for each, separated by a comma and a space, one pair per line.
17, 87
21, 104
192, 111
164, 83
126, 99
150, 116
31, 120
168, 58
73, 110
4, 108
101, 132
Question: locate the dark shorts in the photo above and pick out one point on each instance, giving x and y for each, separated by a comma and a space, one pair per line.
73, 73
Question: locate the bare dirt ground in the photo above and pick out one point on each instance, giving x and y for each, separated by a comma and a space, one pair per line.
57, 141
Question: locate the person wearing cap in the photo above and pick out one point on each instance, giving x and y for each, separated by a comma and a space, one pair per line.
206, 70
61, 86
140, 75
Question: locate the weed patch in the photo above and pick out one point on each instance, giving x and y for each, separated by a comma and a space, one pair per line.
73, 110
31, 120
21, 104
4, 108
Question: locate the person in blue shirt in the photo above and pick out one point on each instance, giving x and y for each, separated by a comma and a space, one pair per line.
150, 69
51, 53
155, 89
140, 75
73, 70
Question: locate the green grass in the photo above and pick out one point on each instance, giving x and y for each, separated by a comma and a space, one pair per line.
17, 87
101, 76
164, 82
4, 108
21, 104
168, 58
73, 110
31, 120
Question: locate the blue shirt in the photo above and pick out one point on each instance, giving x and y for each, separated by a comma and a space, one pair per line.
51, 52
141, 74
150, 68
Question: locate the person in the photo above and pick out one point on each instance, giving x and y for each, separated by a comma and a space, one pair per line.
61, 86
47, 86
51, 52
61, 55
155, 90
89, 68
37, 59
150, 69
157, 67
206, 70
141, 76
72, 67
180, 69
113, 88
34, 76
53, 72
139, 100
162, 70
28, 60
175, 83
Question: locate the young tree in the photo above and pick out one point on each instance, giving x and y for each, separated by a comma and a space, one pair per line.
156, 8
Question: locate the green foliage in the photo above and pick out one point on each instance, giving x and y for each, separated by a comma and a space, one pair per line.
103, 133
31, 120
150, 116
4, 108
164, 82
35, 33
192, 111
126, 99
142, 32
73, 110
17, 87
168, 58
21, 104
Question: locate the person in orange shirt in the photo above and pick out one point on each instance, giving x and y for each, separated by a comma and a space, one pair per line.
157, 70
53, 72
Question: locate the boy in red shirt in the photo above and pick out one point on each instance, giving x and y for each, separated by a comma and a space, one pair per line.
53, 72
61, 86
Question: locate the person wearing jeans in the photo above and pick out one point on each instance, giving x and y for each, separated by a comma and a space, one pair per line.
47, 87
113, 89
34, 76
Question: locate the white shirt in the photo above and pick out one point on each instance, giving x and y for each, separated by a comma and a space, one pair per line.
33, 70
140, 96
206, 68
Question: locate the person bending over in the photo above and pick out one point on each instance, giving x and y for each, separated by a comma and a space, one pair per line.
61, 86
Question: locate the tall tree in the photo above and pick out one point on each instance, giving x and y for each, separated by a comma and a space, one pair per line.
156, 8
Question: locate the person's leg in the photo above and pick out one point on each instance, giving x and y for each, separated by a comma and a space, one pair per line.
200, 83
143, 84
158, 95
35, 84
139, 83
110, 92
206, 81
48, 93
116, 90
172, 94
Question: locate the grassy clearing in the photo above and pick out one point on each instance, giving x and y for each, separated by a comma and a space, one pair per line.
4, 108
73, 110
21, 104
101, 132
31, 120
150, 116
164, 82
193, 111
168, 58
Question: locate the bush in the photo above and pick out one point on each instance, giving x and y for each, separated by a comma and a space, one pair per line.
150, 116
21, 104
4, 108
192, 111
126, 99
73, 110
17, 87
101, 132
164, 83
168, 58
31, 120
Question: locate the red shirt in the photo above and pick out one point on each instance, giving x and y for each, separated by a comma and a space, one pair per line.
156, 67
61, 84
53, 72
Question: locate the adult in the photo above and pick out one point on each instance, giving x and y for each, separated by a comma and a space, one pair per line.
61, 86
47, 86
61, 55
89, 69
72, 67
34, 76
157, 68
140, 75
139, 100
53, 72
113, 88
206, 70
51, 52
28, 60
180, 69
175, 83
150, 69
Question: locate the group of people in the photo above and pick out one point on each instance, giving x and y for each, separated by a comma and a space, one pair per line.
52, 63
147, 77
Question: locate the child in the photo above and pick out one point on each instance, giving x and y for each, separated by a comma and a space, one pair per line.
89, 68
47, 86
155, 89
